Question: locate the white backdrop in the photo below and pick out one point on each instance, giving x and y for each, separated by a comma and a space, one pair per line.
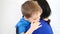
10, 14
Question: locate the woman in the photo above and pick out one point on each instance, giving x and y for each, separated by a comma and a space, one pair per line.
45, 21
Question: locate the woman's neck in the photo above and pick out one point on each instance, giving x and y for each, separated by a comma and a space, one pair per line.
46, 19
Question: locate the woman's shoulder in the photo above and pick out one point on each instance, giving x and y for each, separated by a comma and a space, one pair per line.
45, 21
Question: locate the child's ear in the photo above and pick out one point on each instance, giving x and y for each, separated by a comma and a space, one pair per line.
41, 11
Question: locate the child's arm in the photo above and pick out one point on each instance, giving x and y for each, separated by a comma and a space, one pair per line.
33, 27
22, 33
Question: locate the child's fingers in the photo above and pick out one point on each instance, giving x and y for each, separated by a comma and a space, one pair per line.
39, 26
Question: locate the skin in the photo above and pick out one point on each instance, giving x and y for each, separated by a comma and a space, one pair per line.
34, 19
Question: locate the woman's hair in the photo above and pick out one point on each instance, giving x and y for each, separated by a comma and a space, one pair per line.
46, 11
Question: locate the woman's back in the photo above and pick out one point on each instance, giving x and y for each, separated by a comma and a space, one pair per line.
45, 29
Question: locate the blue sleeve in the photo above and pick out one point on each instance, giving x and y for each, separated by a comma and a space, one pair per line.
21, 29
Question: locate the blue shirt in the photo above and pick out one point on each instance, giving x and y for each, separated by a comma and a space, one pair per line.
23, 25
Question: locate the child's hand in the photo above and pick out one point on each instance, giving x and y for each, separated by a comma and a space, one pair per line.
35, 25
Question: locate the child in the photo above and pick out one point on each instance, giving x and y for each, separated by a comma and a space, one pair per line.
31, 12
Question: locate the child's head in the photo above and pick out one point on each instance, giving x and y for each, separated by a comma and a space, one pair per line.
31, 9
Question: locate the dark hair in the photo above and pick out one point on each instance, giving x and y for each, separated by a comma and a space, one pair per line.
29, 8
45, 7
